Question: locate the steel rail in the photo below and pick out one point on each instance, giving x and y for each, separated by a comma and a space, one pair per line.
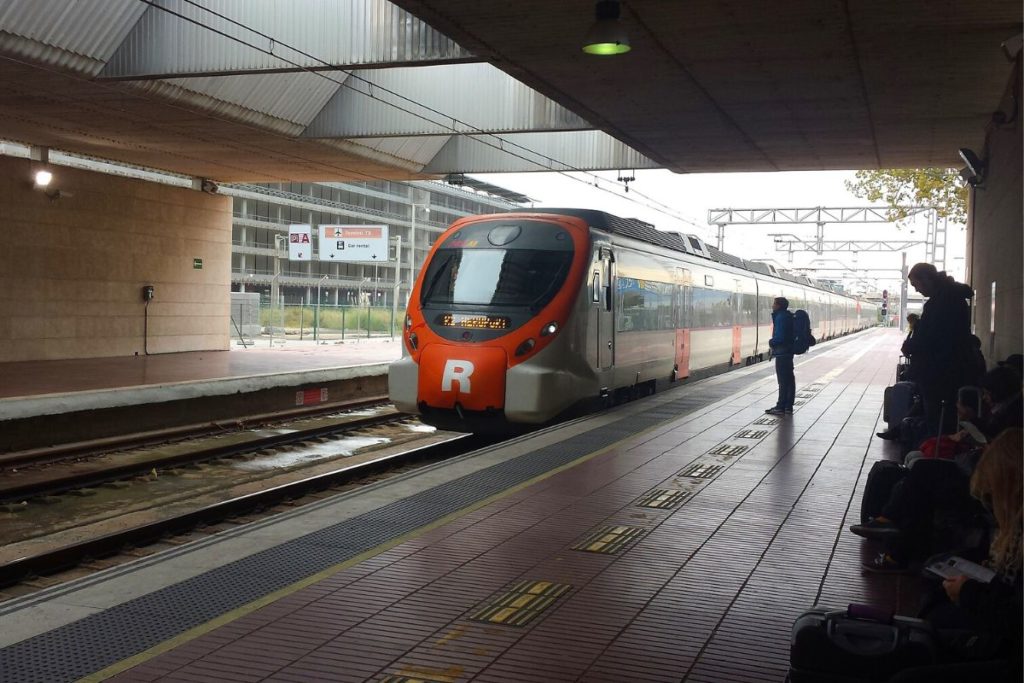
74, 554
80, 480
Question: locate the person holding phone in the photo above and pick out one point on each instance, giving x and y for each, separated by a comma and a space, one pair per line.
979, 624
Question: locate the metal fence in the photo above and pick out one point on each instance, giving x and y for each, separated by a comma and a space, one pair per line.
315, 323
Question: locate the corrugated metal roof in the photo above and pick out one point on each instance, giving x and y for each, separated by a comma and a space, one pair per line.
419, 149
295, 97
496, 102
81, 35
544, 151
338, 32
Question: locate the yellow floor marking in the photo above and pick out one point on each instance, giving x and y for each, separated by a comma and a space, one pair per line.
449, 675
270, 598
450, 636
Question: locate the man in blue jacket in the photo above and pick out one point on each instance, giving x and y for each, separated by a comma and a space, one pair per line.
781, 345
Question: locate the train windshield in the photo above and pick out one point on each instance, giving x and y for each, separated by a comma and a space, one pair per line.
495, 277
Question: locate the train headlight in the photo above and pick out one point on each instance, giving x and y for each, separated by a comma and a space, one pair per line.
408, 321
525, 347
549, 329
414, 341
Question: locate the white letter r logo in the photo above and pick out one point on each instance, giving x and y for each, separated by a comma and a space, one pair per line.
457, 371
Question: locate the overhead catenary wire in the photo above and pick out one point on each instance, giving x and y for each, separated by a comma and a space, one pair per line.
501, 144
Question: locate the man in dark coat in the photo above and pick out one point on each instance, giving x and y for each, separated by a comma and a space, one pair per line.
940, 348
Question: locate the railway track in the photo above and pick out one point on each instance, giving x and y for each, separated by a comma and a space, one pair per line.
124, 542
55, 481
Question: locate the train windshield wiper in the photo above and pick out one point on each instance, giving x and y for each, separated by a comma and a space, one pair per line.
441, 270
556, 280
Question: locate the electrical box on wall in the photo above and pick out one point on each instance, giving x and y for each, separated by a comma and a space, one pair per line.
147, 292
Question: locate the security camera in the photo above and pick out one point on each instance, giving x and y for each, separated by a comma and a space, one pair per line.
208, 186
972, 173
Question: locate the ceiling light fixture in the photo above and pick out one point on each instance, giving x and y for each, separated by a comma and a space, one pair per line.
43, 178
606, 36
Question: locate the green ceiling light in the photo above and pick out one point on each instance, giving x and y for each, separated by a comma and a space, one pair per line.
606, 36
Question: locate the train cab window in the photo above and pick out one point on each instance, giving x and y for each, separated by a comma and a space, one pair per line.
506, 263
595, 288
495, 277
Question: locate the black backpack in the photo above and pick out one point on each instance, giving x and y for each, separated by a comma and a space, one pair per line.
802, 337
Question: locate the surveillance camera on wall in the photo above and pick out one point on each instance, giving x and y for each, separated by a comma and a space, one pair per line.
208, 186
973, 172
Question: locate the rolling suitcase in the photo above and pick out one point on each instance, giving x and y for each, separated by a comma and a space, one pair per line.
897, 403
883, 478
856, 645
903, 369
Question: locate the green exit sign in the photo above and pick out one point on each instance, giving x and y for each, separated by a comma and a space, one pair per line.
197, 263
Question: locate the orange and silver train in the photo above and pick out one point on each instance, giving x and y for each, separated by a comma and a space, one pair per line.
522, 317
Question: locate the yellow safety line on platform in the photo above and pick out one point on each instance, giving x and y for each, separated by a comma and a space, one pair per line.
228, 617
270, 598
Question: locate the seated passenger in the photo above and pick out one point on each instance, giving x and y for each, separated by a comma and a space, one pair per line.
1015, 362
1001, 394
932, 487
979, 625
971, 435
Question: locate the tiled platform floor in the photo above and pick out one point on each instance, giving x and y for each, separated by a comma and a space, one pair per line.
708, 593
34, 378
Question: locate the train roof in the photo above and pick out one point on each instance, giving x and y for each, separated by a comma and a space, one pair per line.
646, 232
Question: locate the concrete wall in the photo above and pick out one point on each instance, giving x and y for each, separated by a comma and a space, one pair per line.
72, 268
994, 234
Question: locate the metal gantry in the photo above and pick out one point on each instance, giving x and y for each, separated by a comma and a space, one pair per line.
935, 239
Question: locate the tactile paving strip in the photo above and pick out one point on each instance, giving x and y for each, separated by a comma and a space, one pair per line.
522, 603
610, 539
728, 449
663, 499
701, 471
95, 642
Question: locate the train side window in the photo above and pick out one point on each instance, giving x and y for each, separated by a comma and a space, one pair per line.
595, 295
709, 281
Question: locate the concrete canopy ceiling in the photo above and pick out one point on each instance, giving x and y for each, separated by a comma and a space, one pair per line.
733, 85
274, 90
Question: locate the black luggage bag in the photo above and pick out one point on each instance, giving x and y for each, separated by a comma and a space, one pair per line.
903, 369
884, 477
897, 403
857, 645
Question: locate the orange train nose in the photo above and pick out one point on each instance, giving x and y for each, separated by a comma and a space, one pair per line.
472, 376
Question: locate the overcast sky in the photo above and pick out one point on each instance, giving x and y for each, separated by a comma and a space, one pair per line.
691, 196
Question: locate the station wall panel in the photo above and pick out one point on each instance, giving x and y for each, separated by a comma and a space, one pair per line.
72, 266
995, 230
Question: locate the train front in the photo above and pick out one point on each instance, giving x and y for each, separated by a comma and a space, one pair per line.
486, 338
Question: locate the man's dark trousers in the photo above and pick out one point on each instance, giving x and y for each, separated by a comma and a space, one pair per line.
787, 381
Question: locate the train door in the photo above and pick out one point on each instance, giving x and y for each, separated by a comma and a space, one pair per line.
605, 328
683, 315
757, 317
737, 328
